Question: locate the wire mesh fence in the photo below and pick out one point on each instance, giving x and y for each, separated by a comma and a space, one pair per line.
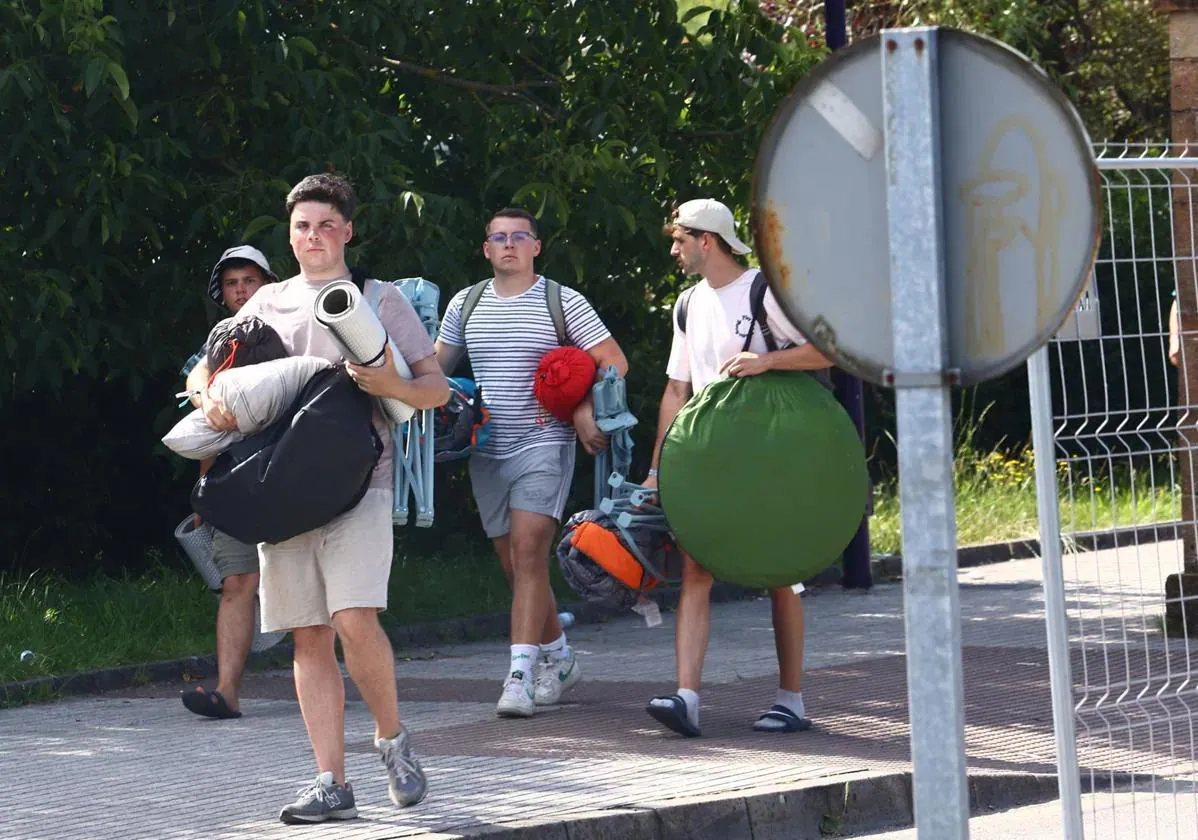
1125, 433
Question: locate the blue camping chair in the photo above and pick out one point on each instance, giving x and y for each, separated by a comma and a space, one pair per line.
610, 398
414, 439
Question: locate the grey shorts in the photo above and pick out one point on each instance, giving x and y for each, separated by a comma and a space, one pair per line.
232, 557
536, 480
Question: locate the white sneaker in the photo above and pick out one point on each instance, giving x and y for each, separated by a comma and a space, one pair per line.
517, 698
555, 676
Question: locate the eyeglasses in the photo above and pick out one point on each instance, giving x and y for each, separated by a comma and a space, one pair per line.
516, 237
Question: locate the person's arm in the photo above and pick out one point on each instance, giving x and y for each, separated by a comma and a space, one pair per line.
449, 356
216, 415
606, 353
803, 357
427, 388
675, 396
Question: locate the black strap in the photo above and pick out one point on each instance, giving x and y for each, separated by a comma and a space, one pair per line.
553, 300
472, 298
757, 314
359, 276
680, 309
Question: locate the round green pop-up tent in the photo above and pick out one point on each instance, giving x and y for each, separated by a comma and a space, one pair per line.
763, 479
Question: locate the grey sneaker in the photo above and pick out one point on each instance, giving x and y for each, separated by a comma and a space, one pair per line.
408, 784
322, 800
555, 676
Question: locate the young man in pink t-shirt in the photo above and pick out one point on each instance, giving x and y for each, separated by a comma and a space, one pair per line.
331, 582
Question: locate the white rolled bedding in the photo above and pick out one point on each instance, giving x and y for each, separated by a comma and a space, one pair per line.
255, 394
356, 328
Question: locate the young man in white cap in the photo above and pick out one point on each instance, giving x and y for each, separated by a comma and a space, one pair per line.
725, 331
330, 583
237, 275
521, 476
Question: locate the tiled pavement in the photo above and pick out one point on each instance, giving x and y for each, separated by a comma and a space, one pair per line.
137, 765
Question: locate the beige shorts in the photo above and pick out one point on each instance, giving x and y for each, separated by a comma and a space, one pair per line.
343, 564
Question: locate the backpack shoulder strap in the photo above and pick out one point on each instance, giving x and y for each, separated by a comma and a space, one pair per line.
358, 277
553, 299
757, 314
468, 305
680, 309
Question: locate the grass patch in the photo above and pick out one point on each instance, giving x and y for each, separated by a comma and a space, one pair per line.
73, 626
996, 498
168, 613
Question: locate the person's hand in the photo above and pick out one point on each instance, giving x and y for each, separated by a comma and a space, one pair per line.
592, 438
216, 414
1174, 351
197, 521
380, 381
745, 364
650, 482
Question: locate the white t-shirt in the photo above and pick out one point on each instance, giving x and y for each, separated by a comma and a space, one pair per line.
717, 321
506, 338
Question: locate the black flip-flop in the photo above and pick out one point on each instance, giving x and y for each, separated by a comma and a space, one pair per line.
789, 720
673, 717
208, 704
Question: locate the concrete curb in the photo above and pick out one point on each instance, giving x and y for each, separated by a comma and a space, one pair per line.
839, 806
447, 631
890, 566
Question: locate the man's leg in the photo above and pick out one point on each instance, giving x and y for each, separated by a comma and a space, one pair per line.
321, 693
237, 564
234, 633
553, 628
355, 561
532, 597
371, 665
787, 713
680, 712
787, 609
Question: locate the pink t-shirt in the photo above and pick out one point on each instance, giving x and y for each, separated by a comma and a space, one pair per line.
287, 307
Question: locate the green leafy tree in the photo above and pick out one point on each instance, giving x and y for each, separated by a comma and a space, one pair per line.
139, 140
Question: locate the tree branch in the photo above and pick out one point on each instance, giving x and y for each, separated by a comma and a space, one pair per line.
447, 78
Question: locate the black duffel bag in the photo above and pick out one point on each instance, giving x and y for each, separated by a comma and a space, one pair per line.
301, 472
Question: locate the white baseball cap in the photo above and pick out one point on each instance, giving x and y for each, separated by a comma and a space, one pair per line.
709, 215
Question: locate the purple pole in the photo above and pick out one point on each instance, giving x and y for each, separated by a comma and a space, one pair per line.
855, 562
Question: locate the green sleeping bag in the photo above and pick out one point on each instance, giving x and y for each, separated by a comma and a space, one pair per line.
763, 479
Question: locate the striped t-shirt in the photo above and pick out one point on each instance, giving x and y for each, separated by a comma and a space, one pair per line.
506, 339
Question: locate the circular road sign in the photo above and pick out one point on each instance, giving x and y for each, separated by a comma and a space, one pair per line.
1020, 197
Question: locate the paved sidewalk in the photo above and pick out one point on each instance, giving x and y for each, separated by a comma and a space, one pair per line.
137, 765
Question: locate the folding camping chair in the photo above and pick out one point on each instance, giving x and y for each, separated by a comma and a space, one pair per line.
610, 399
414, 439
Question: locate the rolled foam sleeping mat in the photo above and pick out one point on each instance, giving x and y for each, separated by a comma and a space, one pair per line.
355, 327
197, 545
763, 479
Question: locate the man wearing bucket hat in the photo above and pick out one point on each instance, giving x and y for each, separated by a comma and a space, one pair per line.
726, 324
237, 275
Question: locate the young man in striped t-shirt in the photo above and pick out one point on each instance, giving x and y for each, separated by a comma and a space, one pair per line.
522, 475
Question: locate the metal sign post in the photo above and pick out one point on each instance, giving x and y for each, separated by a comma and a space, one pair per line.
923, 406
925, 205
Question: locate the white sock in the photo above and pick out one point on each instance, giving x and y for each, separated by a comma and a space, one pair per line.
524, 657
689, 697
558, 648
792, 700
692, 704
